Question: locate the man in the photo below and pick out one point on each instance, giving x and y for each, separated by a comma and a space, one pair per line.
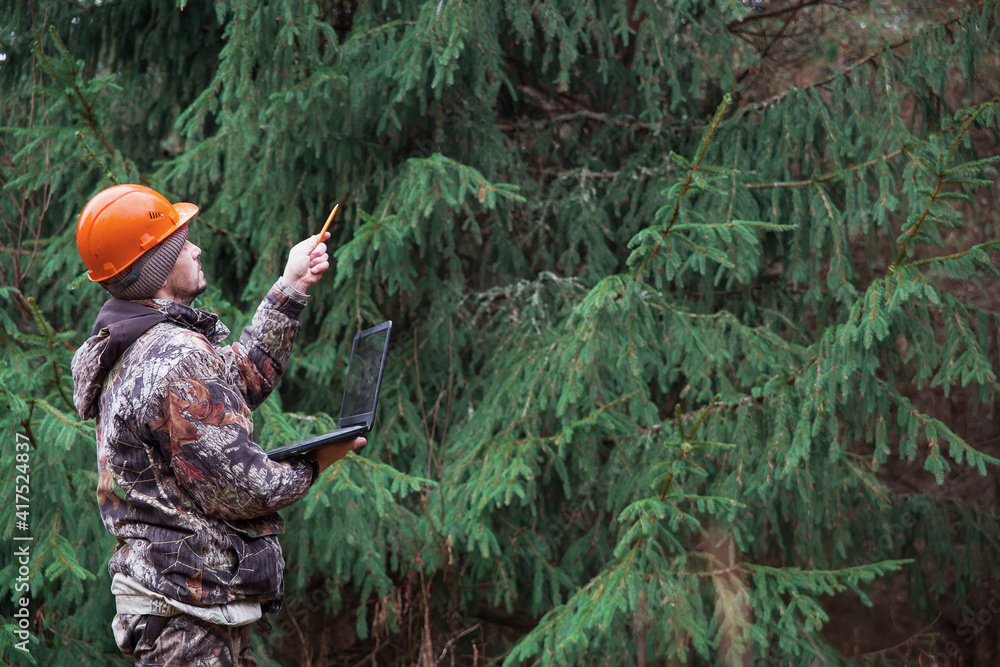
190, 497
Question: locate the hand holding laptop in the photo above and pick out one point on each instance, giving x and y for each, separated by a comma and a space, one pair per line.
330, 454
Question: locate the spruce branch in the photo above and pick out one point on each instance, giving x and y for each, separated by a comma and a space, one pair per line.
67, 560
90, 153
685, 441
39, 209
977, 251
60, 416
959, 449
775, 99
841, 173
71, 87
942, 174
925, 633
45, 328
624, 121
685, 188
423, 414
774, 12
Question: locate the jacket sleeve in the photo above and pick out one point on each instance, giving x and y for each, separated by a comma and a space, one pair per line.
261, 355
205, 430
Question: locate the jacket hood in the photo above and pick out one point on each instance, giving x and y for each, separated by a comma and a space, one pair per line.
118, 325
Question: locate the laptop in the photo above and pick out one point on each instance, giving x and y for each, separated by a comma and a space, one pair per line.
357, 407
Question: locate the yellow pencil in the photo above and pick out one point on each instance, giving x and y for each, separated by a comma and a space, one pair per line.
326, 226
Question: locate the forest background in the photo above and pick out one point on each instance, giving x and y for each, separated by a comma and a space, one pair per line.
695, 346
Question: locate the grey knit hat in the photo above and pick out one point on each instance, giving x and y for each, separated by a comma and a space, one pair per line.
148, 273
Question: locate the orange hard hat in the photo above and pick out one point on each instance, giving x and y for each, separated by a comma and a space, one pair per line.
121, 223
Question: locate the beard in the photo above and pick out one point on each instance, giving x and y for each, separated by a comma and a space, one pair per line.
186, 291
187, 296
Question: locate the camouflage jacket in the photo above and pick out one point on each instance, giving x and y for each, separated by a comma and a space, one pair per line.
191, 498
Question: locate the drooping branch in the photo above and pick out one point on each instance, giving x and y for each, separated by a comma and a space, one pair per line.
735, 26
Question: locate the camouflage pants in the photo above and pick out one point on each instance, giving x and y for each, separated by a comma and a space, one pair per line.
184, 640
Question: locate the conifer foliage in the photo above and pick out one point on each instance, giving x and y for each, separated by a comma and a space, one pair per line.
695, 304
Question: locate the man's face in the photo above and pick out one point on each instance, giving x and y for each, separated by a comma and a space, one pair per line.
186, 279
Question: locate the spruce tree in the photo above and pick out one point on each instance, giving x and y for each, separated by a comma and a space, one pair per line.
695, 342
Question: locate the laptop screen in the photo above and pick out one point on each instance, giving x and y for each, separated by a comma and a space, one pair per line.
363, 375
